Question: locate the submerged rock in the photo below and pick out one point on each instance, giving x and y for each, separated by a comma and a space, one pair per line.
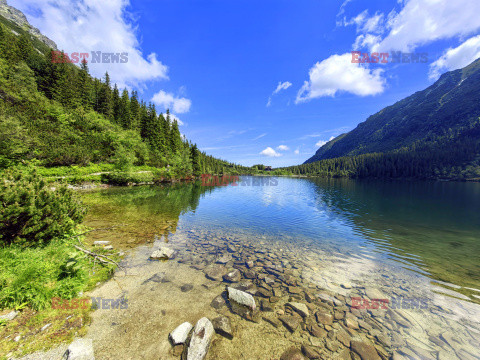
215, 272
80, 349
164, 253
243, 304
223, 326
292, 354
201, 339
180, 334
186, 287
365, 350
232, 276
218, 302
300, 308
241, 298
290, 322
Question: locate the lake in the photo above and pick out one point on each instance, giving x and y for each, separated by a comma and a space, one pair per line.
394, 262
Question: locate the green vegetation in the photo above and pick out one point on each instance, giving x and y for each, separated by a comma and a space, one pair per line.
396, 141
443, 158
31, 213
39, 259
54, 114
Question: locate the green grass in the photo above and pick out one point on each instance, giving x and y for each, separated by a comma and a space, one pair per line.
33, 276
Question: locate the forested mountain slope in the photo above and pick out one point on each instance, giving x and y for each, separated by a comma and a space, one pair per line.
444, 110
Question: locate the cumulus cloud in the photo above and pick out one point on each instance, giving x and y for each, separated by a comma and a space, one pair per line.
169, 101
91, 25
456, 58
320, 143
283, 148
282, 86
296, 152
269, 102
423, 21
270, 152
338, 73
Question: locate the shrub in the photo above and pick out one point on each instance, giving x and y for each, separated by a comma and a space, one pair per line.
31, 213
127, 178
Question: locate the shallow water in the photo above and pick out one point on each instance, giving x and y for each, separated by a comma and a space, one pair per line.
340, 239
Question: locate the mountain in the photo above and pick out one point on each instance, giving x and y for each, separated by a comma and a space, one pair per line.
21, 24
447, 109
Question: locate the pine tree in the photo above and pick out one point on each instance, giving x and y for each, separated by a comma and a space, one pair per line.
105, 98
125, 114
85, 86
116, 104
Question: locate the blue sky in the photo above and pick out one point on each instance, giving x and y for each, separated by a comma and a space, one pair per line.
265, 81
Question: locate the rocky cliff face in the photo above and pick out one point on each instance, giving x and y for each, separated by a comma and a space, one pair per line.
17, 17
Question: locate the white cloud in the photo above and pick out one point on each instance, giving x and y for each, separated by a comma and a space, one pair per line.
338, 73
259, 136
168, 100
283, 148
282, 86
320, 143
174, 117
270, 152
92, 25
269, 102
456, 58
296, 152
423, 21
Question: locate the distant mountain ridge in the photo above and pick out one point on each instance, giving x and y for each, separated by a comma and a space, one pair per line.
452, 103
17, 17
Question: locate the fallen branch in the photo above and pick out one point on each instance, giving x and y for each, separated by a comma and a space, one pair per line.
99, 257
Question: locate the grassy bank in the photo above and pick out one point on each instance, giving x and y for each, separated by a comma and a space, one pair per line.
41, 259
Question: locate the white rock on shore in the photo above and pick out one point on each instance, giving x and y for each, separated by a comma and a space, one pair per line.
201, 339
242, 298
164, 253
10, 316
180, 334
80, 349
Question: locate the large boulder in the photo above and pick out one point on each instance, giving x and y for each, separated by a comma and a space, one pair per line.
180, 334
201, 339
164, 253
